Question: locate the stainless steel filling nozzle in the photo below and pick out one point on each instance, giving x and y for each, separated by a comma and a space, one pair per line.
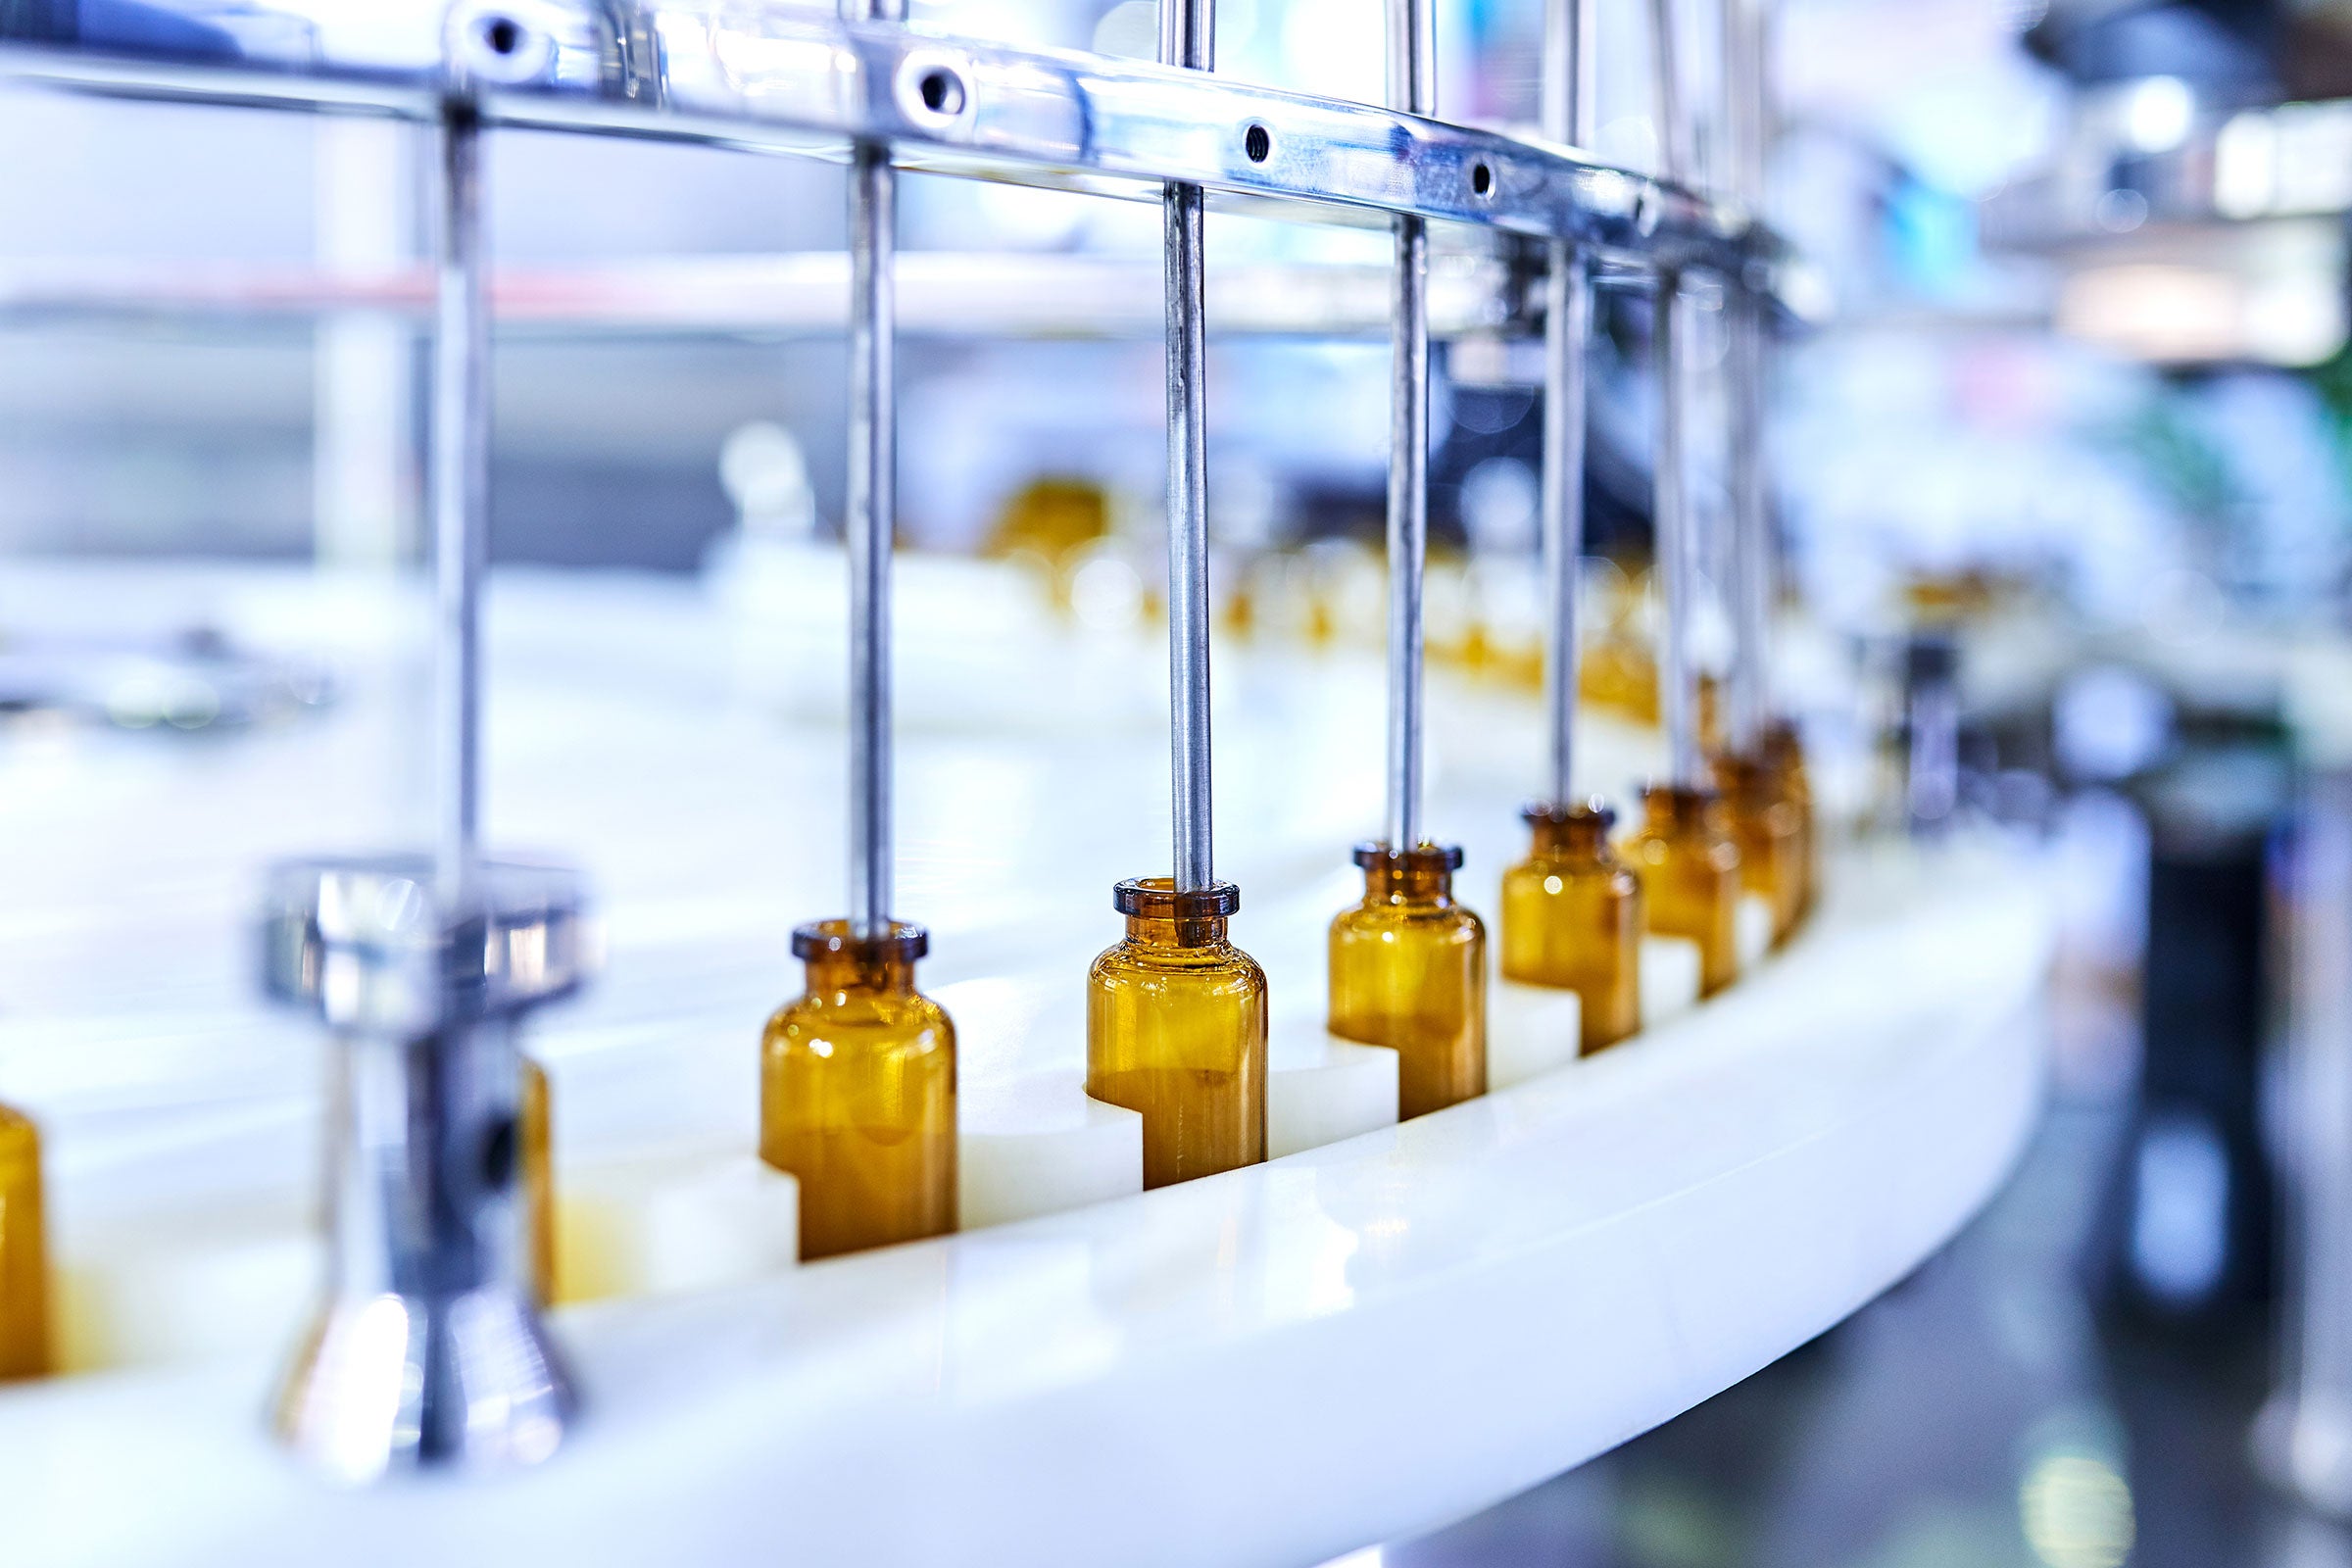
427, 1348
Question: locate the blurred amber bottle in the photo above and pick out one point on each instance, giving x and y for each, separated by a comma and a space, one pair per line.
537, 1133
1176, 1031
1689, 872
1572, 919
1764, 826
24, 1255
1408, 970
1785, 753
857, 1093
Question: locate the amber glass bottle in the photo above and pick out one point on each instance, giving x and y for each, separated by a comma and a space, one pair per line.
1176, 1031
1784, 753
535, 1130
1408, 970
1764, 826
857, 1093
1689, 872
24, 1255
1572, 919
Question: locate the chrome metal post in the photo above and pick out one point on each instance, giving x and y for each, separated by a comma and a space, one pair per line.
872, 512
429, 1349
1413, 88
461, 469
1676, 542
1750, 690
1187, 39
1569, 113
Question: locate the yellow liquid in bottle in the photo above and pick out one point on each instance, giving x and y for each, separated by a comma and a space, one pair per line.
1176, 1032
1765, 826
1408, 970
1689, 872
23, 1253
1572, 919
857, 1093
536, 1131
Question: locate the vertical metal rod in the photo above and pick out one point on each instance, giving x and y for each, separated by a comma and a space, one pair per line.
1187, 39
1678, 566
1744, 70
1569, 112
460, 458
872, 511
1413, 88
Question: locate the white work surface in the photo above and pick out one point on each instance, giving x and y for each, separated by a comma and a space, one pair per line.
1273, 1367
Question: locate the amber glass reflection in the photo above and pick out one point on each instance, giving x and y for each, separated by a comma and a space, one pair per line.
1689, 872
1765, 827
1784, 753
23, 1255
1572, 919
857, 1093
536, 1131
1176, 1031
1408, 970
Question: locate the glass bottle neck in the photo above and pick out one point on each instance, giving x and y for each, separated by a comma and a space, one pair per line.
1173, 935
1392, 883
1681, 811
1581, 837
876, 973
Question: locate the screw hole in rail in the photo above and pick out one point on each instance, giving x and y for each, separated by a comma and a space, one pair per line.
503, 34
941, 91
1482, 179
1259, 143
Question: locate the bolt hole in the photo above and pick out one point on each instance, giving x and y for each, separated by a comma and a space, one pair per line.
504, 35
1259, 143
941, 90
1482, 180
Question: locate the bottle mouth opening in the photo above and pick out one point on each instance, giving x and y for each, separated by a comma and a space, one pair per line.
1592, 808
1154, 897
1423, 858
824, 939
1679, 796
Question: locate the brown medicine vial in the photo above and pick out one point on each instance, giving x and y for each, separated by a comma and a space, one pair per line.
1176, 1031
857, 1093
1408, 970
1572, 919
1689, 872
24, 1255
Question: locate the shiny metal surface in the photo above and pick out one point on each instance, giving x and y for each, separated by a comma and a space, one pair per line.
461, 491
766, 74
1413, 89
1676, 545
1570, 111
427, 1348
1188, 41
1745, 365
872, 510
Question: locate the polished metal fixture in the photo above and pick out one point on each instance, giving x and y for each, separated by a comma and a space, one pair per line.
1570, 113
1677, 543
1188, 42
429, 1349
1746, 120
1412, 90
778, 75
872, 512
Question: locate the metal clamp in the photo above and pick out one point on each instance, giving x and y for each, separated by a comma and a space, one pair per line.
427, 1348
